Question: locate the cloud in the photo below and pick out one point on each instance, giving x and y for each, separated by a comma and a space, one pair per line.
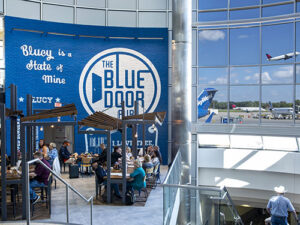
248, 77
265, 77
211, 35
243, 36
284, 72
219, 80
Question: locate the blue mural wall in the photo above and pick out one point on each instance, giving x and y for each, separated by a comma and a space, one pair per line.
94, 67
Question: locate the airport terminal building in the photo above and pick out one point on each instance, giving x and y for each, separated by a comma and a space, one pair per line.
205, 91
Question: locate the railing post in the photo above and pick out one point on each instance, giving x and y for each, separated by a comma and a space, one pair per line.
67, 203
92, 211
27, 194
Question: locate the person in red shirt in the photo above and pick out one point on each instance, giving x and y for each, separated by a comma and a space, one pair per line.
40, 177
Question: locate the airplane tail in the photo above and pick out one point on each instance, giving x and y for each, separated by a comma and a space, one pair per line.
210, 117
204, 101
269, 56
270, 105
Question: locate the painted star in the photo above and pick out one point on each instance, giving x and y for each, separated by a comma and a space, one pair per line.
57, 100
21, 99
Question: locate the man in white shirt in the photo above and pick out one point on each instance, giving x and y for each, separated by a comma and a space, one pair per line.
279, 206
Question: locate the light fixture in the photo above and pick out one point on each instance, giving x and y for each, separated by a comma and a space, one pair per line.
41, 128
52, 126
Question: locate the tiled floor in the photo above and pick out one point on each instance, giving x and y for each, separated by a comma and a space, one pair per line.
151, 213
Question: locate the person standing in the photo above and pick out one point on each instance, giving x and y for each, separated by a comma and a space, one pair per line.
279, 206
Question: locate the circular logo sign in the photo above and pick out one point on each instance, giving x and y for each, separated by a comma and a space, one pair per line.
116, 75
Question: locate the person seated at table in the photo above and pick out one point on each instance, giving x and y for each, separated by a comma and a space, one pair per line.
138, 175
150, 150
147, 164
65, 154
102, 147
52, 153
128, 153
156, 159
43, 148
156, 148
100, 171
116, 155
40, 177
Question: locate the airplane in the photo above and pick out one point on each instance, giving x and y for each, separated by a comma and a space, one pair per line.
204, 100
281, 112
248, 109
280, 57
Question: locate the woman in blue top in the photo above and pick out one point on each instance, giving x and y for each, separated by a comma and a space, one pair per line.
138, 176
52, 153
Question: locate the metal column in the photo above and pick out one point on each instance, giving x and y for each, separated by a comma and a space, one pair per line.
108, 159
3, 159
23, 152
13, 124
29, 130
182, 95
134, 133
124, 168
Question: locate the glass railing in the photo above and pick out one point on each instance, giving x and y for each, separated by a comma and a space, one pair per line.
173, 177
199, 205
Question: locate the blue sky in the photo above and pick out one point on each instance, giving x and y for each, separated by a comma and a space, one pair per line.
245, 51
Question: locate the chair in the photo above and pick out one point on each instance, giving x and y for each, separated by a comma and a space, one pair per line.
56, 168
98, 187
13, 193
149, 175
62, 163
144, 189
86, 163
156, 175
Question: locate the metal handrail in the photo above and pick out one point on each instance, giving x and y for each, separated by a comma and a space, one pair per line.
68, 186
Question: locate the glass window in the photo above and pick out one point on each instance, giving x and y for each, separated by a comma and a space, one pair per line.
244, 14
244, 104
298, 73
244, 75
212, 48
212, 16
277, 10
273, 1
244, 46
297, 41
277, 100
212, 4
218, 104
297, 104
239, 3
213, 76
298, 7
279, 74
277, 42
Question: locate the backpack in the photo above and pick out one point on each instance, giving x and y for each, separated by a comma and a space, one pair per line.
129, 198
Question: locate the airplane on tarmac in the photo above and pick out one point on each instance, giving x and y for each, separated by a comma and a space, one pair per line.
280, 57
204, 100
247, 109
283, 112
